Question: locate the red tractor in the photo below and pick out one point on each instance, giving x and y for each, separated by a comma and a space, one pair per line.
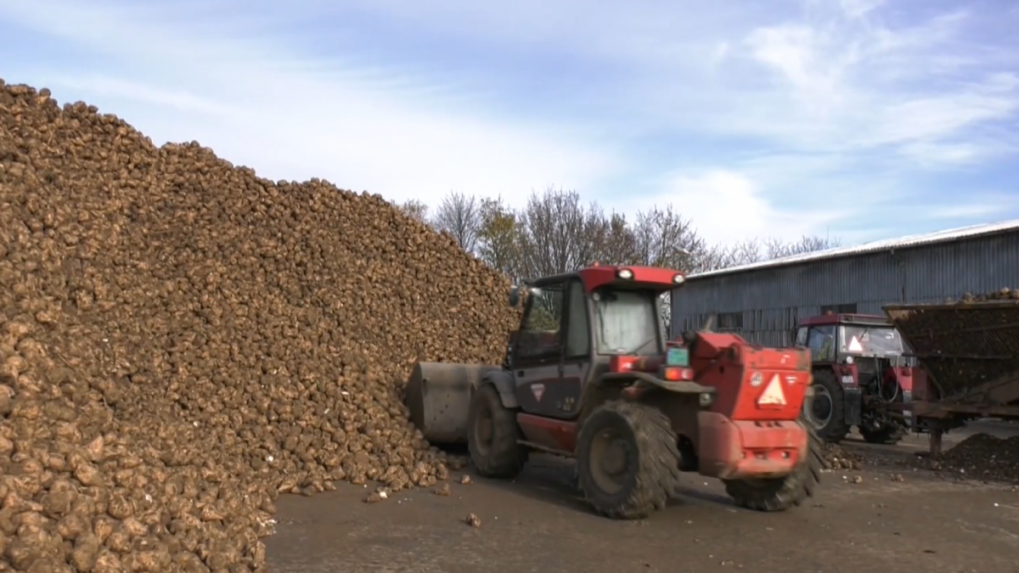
860, 370
591, 375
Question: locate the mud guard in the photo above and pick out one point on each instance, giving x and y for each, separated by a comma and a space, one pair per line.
505, 384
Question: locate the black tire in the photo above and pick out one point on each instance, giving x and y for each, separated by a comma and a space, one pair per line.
495, 452
830, 397
648, 472
889, 433
780, 494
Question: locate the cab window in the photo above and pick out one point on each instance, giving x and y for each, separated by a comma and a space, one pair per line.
627, 321
540, 336
801, 337
821, 342
578, 335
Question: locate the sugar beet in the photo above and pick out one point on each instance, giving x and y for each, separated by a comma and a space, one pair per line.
180, 341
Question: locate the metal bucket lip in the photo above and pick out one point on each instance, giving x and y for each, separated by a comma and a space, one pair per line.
438, 397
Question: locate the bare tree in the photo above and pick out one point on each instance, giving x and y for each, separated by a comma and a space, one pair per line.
663, 238
726, 256
559, 233
499, 237
754, 250
806, 244
459, 215
415, 209
612, 239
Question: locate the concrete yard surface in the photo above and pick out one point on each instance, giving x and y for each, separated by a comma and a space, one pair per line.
539, 523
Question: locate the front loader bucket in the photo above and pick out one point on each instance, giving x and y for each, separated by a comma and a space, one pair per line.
439, 398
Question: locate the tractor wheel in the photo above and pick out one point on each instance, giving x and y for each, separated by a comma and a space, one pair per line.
780, 494
888, 433
492, 436
627, 460
827, 412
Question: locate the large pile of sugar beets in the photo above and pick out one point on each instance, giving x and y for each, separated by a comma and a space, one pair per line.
180, 341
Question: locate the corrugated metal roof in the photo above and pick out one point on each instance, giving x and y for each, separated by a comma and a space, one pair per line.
872, 247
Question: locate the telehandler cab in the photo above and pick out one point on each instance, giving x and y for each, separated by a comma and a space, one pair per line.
591, 375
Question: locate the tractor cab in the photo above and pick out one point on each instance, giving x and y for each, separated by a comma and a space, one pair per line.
845, 338
612, 311
580, 325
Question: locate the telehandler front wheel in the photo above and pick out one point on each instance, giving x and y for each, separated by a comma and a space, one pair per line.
492, 436
627, 460
780, 494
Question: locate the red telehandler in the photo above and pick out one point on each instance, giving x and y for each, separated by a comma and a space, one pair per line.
591, 375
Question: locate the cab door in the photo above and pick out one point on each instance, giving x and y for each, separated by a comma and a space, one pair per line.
577, 353
538, 352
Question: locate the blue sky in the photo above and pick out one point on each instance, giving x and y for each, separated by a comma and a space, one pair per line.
862, 119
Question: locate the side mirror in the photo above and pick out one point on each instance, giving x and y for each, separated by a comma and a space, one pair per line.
514, 297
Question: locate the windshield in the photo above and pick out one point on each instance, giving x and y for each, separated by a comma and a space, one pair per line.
626, 321
870, 340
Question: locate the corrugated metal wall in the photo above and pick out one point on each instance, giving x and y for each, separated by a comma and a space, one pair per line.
764, 305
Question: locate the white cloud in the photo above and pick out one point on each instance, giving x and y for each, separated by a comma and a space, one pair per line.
727, 207
258, 104
854, 77
859, 8
757, 113
963, 211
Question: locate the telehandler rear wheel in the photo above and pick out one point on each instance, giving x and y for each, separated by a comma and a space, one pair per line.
627, 460
780, 494
492, 436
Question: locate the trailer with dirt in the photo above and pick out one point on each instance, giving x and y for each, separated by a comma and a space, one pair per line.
591, 375
968, 354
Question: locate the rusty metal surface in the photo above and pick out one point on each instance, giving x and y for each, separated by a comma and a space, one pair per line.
969, 350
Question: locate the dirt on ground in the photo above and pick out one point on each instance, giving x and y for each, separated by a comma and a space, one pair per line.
983, 456
871, 520
880, 508
986, 451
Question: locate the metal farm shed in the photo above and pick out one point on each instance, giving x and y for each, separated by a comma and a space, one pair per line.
763, 301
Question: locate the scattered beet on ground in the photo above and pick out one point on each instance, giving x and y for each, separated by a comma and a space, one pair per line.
983, 456
180, 341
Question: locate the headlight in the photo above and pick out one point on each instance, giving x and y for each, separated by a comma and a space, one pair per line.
678, 279
624, 274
